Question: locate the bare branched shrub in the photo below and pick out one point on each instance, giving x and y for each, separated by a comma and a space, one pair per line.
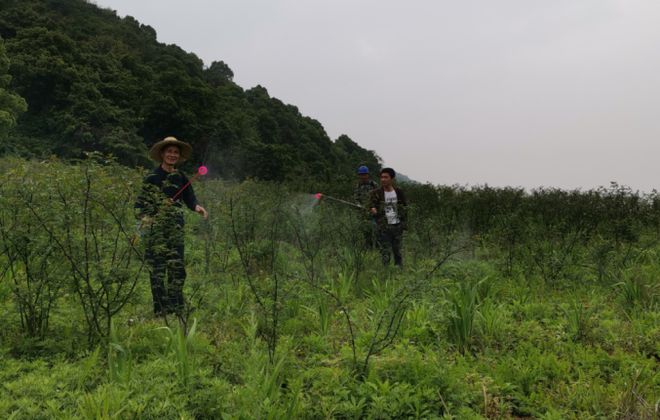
89, 220
258, 222
32, 263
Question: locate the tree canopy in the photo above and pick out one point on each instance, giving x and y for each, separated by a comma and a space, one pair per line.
96, 82
11, 105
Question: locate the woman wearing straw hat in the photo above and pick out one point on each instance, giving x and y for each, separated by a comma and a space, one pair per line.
160, 209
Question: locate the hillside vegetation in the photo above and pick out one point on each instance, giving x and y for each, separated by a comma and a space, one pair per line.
94, 81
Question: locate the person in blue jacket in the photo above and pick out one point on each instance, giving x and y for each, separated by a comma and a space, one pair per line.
361, 193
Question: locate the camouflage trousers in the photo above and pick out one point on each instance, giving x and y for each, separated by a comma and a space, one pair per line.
389, 242
165, 256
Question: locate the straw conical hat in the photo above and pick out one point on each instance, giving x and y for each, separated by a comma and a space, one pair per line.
156, 149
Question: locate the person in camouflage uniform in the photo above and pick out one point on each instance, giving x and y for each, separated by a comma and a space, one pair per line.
365, 185
161, 221
388, 204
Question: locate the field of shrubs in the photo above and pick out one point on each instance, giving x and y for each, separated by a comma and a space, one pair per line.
510, 303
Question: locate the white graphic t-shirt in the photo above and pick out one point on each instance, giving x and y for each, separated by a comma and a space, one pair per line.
390, 208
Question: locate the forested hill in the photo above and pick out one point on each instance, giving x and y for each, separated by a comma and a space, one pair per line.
95, 81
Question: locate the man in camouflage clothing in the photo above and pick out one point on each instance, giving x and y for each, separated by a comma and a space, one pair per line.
389, 206
361, 193
160, 210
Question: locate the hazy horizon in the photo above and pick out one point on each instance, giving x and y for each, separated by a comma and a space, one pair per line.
509, 93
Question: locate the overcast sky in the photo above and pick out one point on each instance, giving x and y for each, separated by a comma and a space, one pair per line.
561, 93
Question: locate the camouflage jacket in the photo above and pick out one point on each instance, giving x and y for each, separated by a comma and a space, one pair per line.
159, 186
361, 192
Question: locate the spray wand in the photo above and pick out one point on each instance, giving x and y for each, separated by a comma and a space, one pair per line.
202, 170
319, 196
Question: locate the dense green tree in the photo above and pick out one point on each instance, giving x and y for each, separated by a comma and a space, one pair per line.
97, 82
218, 73
11, 104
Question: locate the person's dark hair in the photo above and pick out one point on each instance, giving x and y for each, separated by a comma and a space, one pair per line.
389, 171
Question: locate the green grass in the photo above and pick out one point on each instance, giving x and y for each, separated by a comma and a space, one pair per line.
549, 355
474, 340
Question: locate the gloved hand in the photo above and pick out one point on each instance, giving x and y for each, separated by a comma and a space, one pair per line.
143, 225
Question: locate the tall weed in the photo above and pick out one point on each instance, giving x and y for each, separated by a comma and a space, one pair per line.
179, 345
464, 305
